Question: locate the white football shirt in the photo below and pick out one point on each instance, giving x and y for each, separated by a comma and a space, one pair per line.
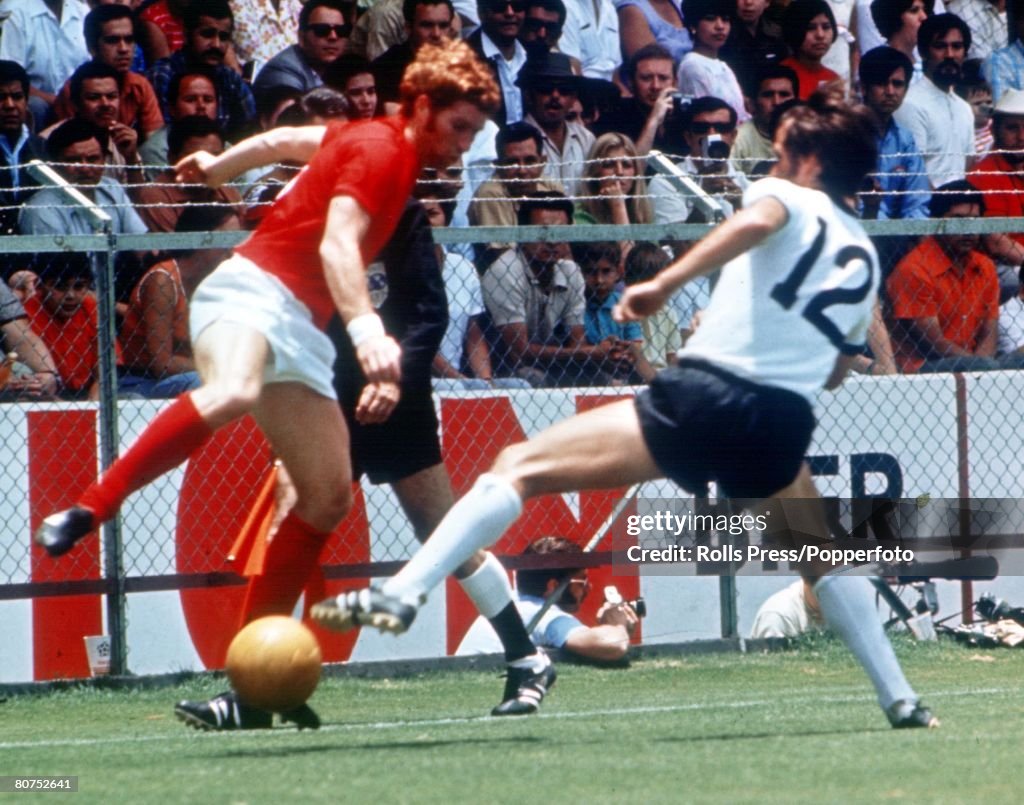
782, 312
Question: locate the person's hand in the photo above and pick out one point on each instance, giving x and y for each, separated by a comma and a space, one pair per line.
380, 358
377, 402
198, 168
618, 615
41, 386
663, 106
622, 352
639, 301
127, 141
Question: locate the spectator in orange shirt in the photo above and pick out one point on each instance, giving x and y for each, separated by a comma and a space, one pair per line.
63, 313
110, 37
945, 296
157, 350
998, 177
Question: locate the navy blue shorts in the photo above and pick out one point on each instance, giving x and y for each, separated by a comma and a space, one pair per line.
402, 446
703, 424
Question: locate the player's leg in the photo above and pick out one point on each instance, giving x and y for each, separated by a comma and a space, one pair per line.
599, 449
307, 432
230, 360
425, 497
848, 605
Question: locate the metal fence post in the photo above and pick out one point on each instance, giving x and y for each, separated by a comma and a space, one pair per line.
113, 548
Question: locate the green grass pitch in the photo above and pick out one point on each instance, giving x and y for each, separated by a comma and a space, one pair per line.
799, 726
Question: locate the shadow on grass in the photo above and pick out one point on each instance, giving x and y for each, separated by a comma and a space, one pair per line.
285, 751
758, 736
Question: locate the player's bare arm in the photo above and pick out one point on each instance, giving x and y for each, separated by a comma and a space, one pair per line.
736, 236
378, 353
297, 144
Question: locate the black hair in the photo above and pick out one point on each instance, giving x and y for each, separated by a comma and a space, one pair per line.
55, 268
191, 126
645, 261
550, 5
12, 71
767, 71
590, 253
214, 9
972, 79
887, 14
344, 68
878, 64
409, 8
71, 131
516, 133
92, 27
88, 71
951, 194
708, 103
798, 16
940, 25
341, 6
201, 218
696, 10
544, 200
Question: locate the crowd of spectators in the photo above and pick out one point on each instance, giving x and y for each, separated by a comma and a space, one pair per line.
113, 92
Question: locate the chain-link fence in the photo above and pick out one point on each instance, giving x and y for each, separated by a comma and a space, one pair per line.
892, 432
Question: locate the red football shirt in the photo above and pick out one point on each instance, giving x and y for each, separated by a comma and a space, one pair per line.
370, 161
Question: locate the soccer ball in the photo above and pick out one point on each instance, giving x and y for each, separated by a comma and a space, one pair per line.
274, 663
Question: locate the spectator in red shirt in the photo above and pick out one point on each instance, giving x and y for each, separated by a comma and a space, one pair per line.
998, 176
945, 296
63, 313
809, 29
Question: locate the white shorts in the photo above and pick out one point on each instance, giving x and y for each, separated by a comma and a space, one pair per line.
240, 292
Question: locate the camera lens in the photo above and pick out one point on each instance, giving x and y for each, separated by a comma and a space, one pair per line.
639, 607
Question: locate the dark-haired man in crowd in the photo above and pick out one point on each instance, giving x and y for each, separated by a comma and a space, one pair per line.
208, 29
899, 188
770, 86
17, 146
941, 122
945, 296
496, 41
324, 29
193, 92
110, 37
519, 173
426, 22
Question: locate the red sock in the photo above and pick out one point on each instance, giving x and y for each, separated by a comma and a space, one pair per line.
173, 435
291, 557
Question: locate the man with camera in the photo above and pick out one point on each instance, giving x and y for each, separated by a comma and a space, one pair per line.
709, 132
558, 627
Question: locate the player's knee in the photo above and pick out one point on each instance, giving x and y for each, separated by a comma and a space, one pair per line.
226, 401
324, 510
515, 464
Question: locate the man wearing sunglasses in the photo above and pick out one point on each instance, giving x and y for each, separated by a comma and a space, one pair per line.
496, 41
208, 29
709, 132
324, 31
110, 37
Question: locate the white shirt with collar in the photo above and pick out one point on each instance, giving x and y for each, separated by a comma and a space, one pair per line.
942, 125
566, 165
508, 71
48, 49
591, 34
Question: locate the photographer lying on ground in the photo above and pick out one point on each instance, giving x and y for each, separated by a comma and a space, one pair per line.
558, 628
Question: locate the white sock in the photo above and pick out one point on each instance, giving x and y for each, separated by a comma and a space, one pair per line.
848, 604
488, 587
475, 522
